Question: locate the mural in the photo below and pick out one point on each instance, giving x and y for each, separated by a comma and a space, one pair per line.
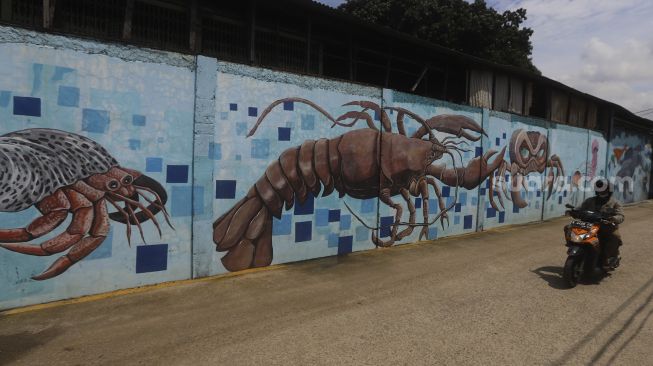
191, 139
63, 173
365, 163
529, 153
630, 165
72, 123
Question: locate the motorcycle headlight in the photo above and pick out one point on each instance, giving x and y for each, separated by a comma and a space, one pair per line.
577, 238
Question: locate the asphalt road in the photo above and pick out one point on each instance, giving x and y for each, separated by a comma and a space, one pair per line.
489, 298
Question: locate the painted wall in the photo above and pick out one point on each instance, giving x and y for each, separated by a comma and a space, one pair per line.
266, 167
630, 159
142, 114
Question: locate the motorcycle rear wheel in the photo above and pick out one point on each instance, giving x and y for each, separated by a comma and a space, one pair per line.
572, 271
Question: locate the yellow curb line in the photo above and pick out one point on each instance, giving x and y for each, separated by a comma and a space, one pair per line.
135, 290
147, 288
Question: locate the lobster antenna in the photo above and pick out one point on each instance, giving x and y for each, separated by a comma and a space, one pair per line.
277, 102
358, 218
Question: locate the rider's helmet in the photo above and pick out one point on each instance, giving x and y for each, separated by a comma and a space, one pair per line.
603, 188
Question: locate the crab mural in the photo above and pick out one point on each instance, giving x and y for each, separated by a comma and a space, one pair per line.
529, 153
61, 174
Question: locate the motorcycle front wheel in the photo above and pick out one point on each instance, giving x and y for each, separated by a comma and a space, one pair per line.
573, 270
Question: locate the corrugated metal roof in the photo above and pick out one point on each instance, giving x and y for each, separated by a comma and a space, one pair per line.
385, 31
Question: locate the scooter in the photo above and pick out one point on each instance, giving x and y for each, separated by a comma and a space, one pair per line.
584, 254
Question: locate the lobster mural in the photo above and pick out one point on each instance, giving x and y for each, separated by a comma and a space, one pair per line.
61, 173
363, 163
529, 153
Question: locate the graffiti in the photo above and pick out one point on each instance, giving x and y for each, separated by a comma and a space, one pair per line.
61, 173
630, 165
529, 153
592, 169
362, 164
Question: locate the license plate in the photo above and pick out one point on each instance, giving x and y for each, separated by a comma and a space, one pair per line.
581, 224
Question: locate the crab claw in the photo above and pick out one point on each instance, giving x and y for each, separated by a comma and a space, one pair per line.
470, 176
451, 124
516, 183
556, 173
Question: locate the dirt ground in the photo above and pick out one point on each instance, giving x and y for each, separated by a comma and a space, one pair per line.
490, 298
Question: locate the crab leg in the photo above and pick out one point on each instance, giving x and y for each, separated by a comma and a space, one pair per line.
54, 209
98, 232
81, 223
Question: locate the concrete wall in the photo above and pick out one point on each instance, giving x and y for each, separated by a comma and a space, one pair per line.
141, 110
188, 123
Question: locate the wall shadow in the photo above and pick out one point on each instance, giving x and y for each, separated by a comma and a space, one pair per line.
13, 346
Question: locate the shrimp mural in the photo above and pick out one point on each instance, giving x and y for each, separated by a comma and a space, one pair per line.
349, 164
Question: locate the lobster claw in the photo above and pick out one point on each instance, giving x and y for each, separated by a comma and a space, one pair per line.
470, 176
451, 124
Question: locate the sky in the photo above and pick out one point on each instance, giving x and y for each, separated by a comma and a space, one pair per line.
600, 47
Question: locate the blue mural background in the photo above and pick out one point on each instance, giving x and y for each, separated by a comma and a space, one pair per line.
139, 112
564, 141
630, 156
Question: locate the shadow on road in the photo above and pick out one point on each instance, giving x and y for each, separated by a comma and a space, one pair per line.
13, 346
599, 327
553, 276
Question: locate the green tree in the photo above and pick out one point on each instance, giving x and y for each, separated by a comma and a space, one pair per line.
472, 28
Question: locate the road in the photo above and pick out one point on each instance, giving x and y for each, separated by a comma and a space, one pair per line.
489, 298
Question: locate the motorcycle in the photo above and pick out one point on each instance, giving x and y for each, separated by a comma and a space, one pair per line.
584, 254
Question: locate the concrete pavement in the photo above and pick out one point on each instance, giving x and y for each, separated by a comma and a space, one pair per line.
490, 298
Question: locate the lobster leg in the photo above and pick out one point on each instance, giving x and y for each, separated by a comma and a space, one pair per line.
385, 198
411, 219
424, 192
385, 120
356, 116
441, 205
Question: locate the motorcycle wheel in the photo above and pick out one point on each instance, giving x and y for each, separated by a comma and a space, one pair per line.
572, 271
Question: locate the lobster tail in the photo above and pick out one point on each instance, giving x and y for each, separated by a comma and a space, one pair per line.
245, 232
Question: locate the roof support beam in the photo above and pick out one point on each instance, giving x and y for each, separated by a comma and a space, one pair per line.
48, 13
129, 15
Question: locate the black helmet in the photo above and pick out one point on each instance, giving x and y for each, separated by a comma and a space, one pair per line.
602, 186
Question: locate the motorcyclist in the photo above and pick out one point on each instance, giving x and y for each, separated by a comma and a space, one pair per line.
609, 236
